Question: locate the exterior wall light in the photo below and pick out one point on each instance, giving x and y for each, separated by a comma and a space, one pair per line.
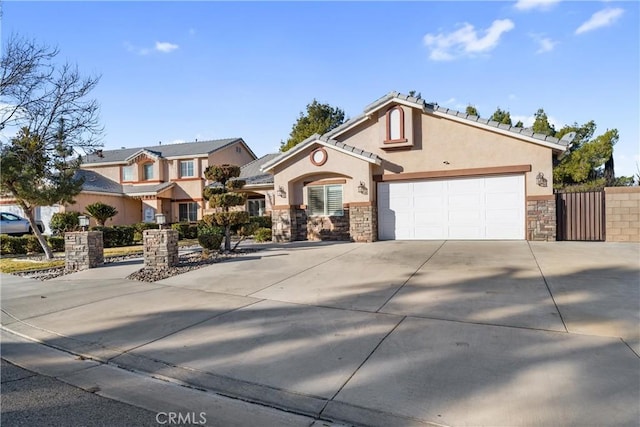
281, 192
84, 222
541, 180
362, 189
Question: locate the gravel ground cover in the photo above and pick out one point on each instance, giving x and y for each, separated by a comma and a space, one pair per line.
187, 262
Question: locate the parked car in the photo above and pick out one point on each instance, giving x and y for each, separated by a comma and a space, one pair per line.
14, 224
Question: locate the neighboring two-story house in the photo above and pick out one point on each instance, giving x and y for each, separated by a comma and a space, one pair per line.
169, 179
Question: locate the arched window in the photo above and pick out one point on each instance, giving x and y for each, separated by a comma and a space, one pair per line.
395, 124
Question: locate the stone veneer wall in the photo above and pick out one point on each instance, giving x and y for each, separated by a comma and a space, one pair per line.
363, 224
328, 227
83, 250
281, 224
541, 219
622, 214
160, 248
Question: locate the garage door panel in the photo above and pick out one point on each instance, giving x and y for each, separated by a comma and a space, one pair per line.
465, 208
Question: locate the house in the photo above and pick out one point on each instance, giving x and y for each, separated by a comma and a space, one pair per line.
409, 169
169, 179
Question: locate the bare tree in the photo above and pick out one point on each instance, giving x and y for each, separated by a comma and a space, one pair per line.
48, 104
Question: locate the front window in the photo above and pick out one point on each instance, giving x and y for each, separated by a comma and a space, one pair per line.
127, 173
325, 200
147, 171
255, 207
395, 125
186, 169
188, 212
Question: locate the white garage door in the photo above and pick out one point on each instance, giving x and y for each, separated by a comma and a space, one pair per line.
465, 208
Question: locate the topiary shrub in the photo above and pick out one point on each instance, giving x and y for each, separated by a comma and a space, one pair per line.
63, 222
262, 235
210, 238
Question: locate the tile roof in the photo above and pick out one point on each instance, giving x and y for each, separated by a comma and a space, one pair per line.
154, 188
432, 107
168, 150
253, 175
95, 182
326, 141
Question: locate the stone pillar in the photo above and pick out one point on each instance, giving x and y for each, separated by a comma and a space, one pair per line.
622, 219
363, 222
160, 249
83, 250
281, 224
541, 218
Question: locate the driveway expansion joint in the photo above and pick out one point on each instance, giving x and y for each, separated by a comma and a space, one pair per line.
411, 276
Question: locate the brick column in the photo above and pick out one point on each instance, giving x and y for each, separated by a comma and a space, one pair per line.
281, 224
160, 248
541, 218
622, 218
83, 250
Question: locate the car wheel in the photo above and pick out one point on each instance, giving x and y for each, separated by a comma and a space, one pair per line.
40, 229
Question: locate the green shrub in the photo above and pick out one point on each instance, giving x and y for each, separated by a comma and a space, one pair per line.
210, 238
10, 245
116, 236
62, 222
262, 234
32, 245
101, 212
261, 221
22, 245
56, 243
185, 230
139, 230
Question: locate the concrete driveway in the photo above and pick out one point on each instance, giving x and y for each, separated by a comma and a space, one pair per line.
390, 333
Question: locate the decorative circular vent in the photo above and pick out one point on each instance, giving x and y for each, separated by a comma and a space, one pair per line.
318, 156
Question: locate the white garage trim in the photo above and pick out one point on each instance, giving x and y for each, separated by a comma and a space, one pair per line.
479, 208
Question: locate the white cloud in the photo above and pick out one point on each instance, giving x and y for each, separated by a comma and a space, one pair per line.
165, 47
450, 101
465, 41
535, 4
545, 44
602, 18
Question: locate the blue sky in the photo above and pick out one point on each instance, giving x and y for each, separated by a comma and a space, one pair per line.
177, 71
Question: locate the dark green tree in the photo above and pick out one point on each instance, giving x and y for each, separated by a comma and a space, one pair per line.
472, 110
224, 197
501, 116
541, 124
38, 176
320, 119
49, 105
101, 212
519, 124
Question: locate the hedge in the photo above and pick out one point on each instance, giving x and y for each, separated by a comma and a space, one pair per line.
185, 230
22, 245
116, 236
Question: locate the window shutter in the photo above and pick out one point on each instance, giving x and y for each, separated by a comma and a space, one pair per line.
334, 200
316, 200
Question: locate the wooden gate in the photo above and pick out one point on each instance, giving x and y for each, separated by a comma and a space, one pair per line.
580, 216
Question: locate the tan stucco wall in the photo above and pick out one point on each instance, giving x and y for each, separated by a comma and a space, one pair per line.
129, 210
622, 206
438, 140
292, 175
112, 172
230, 156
